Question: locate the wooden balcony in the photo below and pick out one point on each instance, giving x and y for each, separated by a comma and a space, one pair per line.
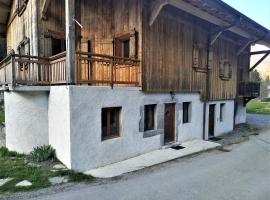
90, 69
249, 90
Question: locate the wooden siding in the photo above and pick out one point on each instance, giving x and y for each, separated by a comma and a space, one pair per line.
168, 44
20, 27
165, 48
223, 89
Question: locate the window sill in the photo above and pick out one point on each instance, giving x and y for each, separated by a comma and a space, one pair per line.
152, 133
109, 138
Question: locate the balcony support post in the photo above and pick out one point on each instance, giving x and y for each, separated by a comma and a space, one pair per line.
70, 41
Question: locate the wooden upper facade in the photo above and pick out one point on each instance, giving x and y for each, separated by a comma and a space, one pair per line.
163, 46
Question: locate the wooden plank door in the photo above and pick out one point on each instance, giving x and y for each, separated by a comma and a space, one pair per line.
169, 123
211, 127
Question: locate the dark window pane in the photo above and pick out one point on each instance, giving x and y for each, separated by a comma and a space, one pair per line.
110, 122
126, 48
186, 112
149, 117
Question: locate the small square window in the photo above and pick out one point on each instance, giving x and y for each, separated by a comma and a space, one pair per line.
149, 117
110, 122
186, 112
222, 112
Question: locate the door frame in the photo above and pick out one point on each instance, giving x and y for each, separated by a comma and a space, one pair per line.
173, 123
214, 120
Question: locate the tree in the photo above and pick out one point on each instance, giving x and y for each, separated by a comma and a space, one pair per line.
267, 80
255, 76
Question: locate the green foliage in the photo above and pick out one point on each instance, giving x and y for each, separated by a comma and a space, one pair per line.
19, 170
43, 153
4, 152
258, 107
255, 76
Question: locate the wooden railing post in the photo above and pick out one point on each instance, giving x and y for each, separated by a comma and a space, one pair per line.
13, 71
112, 69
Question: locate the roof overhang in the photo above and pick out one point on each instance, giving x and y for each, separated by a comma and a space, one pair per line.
218, 13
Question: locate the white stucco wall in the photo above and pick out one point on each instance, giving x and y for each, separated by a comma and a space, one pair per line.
241, 114
59, 123
87, 148
225, 126
26, 118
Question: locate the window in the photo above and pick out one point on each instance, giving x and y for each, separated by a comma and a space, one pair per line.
24, 47
199, 62
21, 5
149, 117
122, 45
110, 122
186, 112
58, 46
222, 111
126, 45
225, 69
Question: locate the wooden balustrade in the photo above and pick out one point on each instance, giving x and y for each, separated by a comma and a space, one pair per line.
91, 69
249, 89
103, 70
33, 70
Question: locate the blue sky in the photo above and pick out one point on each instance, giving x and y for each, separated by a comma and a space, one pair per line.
258, 10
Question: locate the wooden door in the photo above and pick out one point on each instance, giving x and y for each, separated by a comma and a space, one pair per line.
211, 127
169, 123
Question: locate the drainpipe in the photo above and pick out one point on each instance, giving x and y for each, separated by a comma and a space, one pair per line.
35, 27
35, 36
207, 89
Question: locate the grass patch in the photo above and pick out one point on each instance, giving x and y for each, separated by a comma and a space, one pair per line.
257, 107
14, 165
2, 117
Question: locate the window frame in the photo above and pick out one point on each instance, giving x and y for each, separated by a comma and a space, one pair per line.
108, 112
225, 69
21, 6
153, 116
199, 61
119, 45
222, 112
186, 112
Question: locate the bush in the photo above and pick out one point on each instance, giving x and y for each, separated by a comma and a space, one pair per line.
4, 152
43, 153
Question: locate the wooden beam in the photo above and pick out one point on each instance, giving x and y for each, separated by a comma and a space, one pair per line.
70, 41
44, 10
259, 61
259, 52
242, 48
216, 35
4, 7
157, 7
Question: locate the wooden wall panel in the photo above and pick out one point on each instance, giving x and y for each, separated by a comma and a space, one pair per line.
20, 27
168, 44
223, 89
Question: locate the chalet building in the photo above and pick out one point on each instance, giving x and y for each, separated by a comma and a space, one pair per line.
105, 80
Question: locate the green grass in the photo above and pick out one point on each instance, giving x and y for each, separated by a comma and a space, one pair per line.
2, 117
14, 165
257, 107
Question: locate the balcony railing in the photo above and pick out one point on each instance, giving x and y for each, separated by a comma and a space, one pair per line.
249, 89
97, 69
91, 69
33, 70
